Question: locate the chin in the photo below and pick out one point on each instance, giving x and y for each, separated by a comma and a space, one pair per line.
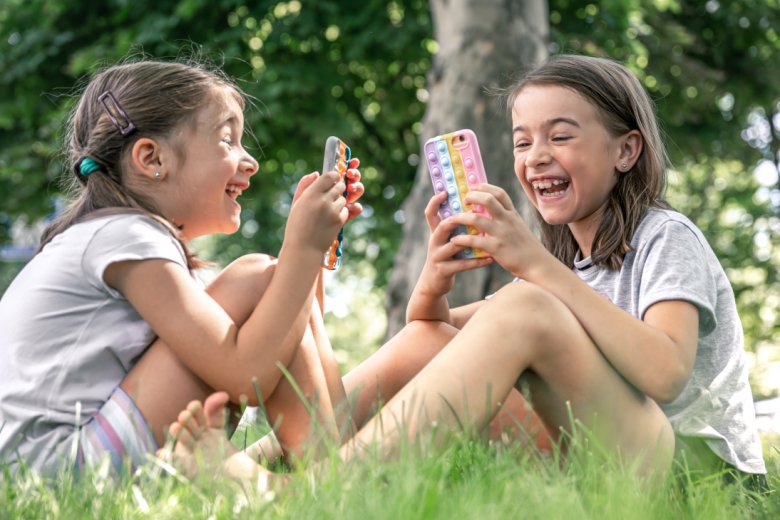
234, 226
554, 220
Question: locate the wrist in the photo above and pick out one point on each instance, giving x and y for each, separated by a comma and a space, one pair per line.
304, 256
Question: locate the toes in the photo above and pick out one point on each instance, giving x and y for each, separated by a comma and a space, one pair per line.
196, 422
215, 410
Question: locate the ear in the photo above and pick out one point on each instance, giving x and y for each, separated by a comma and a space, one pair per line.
631, 145
146, 157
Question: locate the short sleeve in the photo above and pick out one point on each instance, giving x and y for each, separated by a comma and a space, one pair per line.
676, 266
128, 237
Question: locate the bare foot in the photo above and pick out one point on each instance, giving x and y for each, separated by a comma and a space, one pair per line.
201, 445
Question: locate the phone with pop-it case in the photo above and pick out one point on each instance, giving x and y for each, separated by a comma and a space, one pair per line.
337, 156
455, 164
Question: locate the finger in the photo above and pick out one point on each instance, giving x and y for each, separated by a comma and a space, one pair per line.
354, 163
432, 210
468, 264
469, 218
353, 175
498, 193
326, 181
304, 183
355, 190
344, 214
445, 257
453, 266
355, 210
451, 223
337, 190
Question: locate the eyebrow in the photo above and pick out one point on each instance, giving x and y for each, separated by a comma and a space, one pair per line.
231, 121
550, 122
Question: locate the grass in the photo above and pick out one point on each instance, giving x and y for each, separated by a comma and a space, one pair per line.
462, 478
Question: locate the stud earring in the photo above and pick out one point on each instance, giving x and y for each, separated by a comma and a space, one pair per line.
623, 167
157, 175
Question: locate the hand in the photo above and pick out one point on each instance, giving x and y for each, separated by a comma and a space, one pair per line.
507, 238
441, 266
318, 211
355, 188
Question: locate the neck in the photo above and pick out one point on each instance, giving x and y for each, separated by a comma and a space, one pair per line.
584, 231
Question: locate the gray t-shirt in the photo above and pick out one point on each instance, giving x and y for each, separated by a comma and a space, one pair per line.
67, 338
673, 261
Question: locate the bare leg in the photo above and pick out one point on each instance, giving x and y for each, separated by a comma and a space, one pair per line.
465, 384
524, 328
162, 386
302, 410
380, 377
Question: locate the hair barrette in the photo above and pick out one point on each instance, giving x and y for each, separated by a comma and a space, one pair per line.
116, 113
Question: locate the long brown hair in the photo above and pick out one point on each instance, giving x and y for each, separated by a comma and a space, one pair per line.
158, 97
623, 105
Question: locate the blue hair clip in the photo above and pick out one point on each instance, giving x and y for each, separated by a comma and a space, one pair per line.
89, 165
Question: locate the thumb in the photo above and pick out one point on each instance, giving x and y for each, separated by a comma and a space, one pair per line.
305, 182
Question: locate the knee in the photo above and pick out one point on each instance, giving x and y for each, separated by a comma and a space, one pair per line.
428, 328
248, 271
525, 309
251, 265
241, 285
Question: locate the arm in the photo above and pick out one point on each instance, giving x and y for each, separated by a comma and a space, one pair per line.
429, 297
655, 354
201, 332
355, 190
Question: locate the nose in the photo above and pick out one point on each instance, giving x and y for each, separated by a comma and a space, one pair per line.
537, 155
249, 164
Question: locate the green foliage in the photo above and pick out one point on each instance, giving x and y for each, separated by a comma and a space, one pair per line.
358, 69
347, 68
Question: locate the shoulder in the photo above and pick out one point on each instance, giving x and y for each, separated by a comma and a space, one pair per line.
660, 223
126, 233
133, 223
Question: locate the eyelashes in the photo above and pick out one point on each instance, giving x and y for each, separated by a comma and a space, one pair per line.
556, 139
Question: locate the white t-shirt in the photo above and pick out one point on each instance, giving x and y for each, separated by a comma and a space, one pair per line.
673, 261
67, 338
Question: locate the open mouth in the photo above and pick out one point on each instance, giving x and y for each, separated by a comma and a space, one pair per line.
550, 188
234, 191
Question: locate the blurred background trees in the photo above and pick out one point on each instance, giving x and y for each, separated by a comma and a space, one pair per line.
368, 70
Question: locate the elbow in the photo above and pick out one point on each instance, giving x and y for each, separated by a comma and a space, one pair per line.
665, 395
667, 389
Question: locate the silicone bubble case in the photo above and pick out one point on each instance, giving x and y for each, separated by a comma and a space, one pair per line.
337, 156
455, 164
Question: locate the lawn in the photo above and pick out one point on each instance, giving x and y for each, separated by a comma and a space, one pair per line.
462, 478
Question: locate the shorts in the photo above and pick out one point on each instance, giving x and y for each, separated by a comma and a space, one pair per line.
118, 431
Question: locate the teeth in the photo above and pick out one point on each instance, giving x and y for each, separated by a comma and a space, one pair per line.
234, 190
545, 185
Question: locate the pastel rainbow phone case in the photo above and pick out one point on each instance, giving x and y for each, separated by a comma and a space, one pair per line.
337, 156
455, 164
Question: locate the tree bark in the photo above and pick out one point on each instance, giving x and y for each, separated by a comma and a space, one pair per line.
482, 47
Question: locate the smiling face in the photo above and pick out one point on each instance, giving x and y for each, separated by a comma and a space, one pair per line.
212, 169
564, 157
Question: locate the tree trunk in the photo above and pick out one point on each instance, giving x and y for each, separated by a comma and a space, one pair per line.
482, 46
